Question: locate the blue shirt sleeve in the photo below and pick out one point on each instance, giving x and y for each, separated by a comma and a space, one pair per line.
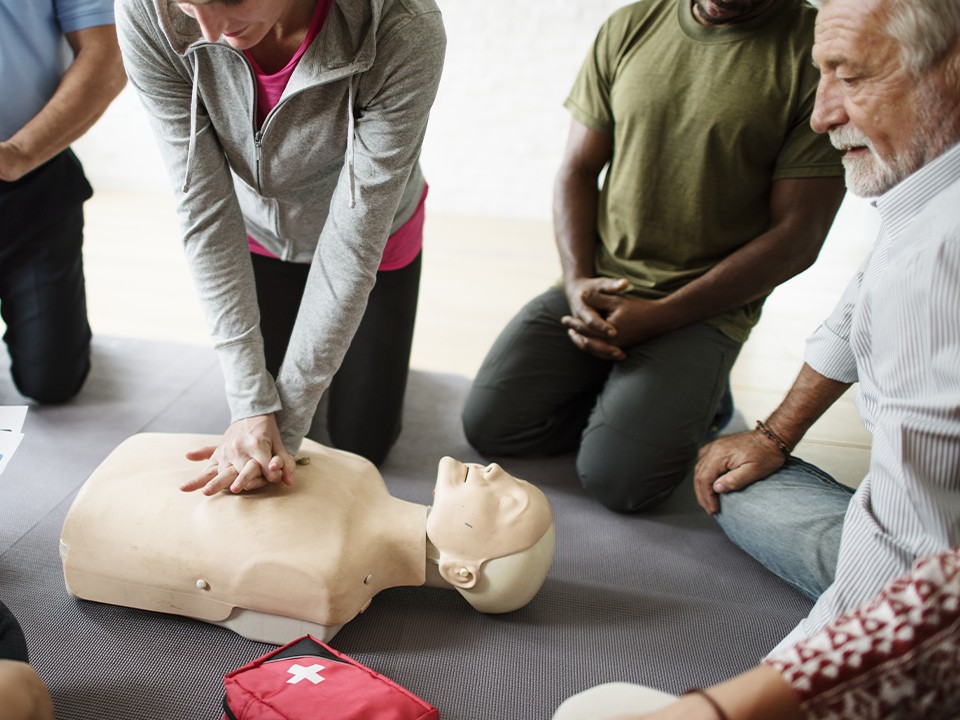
81, 14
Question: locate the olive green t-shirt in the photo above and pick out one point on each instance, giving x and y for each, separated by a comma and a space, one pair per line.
703, 120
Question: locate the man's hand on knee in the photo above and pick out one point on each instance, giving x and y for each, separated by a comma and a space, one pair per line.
731, 463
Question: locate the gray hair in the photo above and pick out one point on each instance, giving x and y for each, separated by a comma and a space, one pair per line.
924, 29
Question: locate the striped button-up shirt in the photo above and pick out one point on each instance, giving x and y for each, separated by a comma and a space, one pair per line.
896, 332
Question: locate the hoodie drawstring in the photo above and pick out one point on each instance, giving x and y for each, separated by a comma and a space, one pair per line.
350, 153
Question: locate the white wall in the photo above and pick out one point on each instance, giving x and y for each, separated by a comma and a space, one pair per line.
497, 129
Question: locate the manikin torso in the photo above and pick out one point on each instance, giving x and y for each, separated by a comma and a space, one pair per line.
248, 561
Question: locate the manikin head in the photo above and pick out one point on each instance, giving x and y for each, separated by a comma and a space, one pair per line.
890, 85
493, 535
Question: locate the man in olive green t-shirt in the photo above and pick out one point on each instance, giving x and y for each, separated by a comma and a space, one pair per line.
716, 191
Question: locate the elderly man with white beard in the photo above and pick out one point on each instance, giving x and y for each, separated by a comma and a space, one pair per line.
881, 641
889, 97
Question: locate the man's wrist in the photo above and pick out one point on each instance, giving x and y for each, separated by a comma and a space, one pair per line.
774, 437
7, 163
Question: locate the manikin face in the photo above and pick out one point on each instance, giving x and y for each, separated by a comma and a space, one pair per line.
888, 122
720, 12
242, 23
481, 512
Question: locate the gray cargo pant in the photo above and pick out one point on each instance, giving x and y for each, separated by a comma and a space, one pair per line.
636, 424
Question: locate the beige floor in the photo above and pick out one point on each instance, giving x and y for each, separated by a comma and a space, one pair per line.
477, 273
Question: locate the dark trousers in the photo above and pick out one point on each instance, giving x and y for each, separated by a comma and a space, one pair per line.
42, 290
13, 646
636, 424
364, 403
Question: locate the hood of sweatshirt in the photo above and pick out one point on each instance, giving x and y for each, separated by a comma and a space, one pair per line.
346, 45
348, 36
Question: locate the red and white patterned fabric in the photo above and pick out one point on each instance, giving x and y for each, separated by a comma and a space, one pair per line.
895, 657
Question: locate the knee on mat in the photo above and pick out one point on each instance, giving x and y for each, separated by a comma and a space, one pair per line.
51, 385
482, 429
628, 476
623, 489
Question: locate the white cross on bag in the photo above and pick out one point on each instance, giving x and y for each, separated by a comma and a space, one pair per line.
311, 673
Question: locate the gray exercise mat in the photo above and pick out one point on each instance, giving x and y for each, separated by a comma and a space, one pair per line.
661, 599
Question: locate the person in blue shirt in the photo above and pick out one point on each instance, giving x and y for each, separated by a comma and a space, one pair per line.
61, 68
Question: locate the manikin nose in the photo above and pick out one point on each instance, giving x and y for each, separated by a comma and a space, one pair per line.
492, 469
484, 472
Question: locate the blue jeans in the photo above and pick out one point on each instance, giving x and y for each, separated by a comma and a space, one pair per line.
790, 522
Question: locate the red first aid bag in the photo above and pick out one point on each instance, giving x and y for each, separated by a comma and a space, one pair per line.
308, 680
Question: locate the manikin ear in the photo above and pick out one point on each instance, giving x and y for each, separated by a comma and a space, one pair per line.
512, 507
458, 573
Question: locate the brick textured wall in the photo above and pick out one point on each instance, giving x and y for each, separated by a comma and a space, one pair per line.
497, 129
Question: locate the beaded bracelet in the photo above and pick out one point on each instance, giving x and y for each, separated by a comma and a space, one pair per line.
713, 703
772, 436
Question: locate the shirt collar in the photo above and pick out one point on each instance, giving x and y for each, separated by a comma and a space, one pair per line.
902, 203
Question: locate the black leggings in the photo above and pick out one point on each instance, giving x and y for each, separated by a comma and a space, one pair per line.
365, 399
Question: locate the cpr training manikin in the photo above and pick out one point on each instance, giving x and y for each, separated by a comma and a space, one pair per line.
286, 560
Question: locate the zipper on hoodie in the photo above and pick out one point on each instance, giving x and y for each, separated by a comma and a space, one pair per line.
259, 133
258, 148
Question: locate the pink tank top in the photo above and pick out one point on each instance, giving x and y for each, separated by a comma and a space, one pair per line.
404, 245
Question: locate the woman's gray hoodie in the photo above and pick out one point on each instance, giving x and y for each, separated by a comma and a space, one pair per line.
333, 171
